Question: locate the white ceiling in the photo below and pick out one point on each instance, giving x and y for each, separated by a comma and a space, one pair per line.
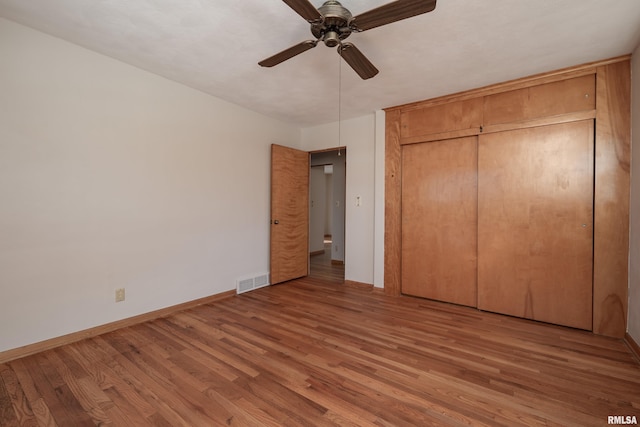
215, 45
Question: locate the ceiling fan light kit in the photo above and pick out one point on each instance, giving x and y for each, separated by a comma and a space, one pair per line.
331, 23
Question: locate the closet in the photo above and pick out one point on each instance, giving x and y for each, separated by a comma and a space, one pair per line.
514, 198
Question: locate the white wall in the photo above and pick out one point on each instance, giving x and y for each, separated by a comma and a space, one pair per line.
328, 218
358, 135
378, 256
113, 177
633, 324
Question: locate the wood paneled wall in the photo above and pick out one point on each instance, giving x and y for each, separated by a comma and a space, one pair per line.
613, 164
406, 124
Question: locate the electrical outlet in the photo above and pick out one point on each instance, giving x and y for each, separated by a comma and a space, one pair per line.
120, 295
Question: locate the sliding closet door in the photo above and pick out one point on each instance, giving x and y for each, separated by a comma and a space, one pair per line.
439, 220
535, 223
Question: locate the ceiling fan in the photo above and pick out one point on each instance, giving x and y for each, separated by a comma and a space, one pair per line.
332, 23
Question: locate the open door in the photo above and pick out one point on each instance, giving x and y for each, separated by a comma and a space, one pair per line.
289, 214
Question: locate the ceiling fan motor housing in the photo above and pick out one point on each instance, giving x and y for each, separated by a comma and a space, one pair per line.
335, 26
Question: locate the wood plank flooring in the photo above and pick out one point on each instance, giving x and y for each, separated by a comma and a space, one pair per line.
322, 268
310, 352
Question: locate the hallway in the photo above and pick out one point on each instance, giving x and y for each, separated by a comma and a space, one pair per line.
321, 266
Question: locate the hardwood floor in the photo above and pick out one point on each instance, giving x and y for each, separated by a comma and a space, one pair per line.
322, 268
310, 352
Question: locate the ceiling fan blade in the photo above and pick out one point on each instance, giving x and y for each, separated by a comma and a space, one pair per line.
305, 9
288, 53
391, 12
357, 60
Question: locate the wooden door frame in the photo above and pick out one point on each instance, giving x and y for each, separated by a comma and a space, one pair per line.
612, 181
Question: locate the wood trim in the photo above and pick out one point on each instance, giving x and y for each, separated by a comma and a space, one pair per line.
376, 290
536, 79
544, 121
392, 208
633, 345
337, 262
27, 350
342, 148
611, 199
440, 136
320, 252
358, 285
562, 118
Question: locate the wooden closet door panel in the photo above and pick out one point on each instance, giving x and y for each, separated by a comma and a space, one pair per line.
449, 117
439, 220
535, 223
545, 100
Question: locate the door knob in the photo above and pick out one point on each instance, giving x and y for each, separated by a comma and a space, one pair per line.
276, 222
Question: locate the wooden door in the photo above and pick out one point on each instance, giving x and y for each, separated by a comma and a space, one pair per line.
439, 220
289, 214
535, 223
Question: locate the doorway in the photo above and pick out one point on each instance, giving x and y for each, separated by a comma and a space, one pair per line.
327, 188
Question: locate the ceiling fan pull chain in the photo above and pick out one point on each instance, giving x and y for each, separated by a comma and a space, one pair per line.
339, 99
